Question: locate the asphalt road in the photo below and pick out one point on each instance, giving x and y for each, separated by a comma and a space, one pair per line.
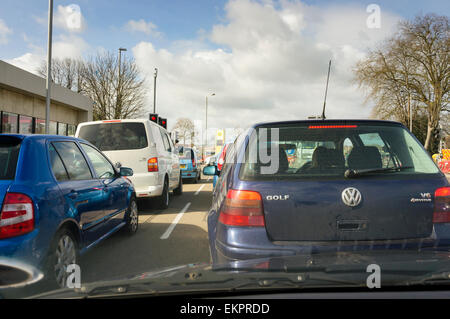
175, 236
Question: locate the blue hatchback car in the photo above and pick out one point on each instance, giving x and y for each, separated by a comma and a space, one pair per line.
59, 196
304, 187
189, 165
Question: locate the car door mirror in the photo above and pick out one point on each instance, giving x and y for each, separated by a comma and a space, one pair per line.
210, 170
125, 171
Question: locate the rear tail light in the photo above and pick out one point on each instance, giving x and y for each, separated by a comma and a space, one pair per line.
242, 208
17, 215
193, 162
442, 205
152, 164
220, 164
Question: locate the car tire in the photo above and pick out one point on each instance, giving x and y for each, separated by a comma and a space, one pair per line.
132, 223
163, 200
179, 190
63, 252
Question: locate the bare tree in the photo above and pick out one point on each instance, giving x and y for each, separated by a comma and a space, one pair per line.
115, 96
185, 128
411, 67
65, 72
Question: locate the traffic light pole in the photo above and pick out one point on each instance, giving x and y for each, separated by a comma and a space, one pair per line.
154, 90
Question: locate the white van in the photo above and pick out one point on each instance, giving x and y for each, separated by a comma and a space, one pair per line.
143, 146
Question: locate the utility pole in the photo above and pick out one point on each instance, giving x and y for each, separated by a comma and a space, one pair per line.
154, 90
118, 98
49, 67
206, 130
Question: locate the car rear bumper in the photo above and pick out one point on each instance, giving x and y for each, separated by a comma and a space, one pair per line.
149, 191
243, 243
23, 248
189, 174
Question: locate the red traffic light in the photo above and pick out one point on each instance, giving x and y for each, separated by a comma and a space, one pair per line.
162, 122
154, 117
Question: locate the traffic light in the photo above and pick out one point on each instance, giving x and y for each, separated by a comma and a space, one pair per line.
162, 122
154, 117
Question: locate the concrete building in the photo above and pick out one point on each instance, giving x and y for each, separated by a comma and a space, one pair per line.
22, 104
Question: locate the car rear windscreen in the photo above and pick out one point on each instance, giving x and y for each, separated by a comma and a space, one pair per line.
313, 151
115, 136
9, 153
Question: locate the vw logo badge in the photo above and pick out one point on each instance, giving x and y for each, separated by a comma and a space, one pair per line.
351, 197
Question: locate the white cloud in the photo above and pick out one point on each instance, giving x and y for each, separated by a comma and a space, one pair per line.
69, 18
142, 26
69, 46
270, 64
4, 32
29, 62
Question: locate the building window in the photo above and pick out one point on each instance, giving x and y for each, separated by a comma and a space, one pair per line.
53, 129
62, 129
25, 124
39, 126
10, 123
71, 129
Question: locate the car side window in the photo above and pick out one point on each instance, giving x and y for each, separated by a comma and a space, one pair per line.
165, 141
102, 166
73, 160
57, 166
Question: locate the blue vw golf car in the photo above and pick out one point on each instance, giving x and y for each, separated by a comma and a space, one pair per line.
59, 196
302, 187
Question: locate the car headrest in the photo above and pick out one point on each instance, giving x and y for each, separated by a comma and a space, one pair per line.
327, 158
364, 157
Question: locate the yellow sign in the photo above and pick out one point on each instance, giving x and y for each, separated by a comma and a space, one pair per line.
446, 154
220, 140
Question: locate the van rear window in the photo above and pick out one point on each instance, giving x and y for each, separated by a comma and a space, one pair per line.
9, 153
115, 136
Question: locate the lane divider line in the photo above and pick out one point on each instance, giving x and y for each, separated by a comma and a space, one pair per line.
175, 222
198, 191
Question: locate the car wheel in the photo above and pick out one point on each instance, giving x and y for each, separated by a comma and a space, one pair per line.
132, 217
163, 200
179, 190
64, 252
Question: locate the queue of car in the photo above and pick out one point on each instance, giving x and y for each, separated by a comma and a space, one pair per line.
329, 185
61, 196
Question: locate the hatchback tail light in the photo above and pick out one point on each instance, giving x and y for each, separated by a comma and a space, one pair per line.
442, 205
152, 164
17, 215
193, 163
242, 208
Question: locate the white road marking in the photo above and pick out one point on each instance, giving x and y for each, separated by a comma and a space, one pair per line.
198, 191
175, 221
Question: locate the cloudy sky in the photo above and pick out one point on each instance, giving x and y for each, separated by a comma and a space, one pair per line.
264, 60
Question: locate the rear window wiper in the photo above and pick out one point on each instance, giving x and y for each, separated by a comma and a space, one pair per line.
350, 173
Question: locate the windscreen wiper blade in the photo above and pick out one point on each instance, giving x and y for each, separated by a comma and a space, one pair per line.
350, 173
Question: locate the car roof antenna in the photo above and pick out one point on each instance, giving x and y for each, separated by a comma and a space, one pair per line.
326, 92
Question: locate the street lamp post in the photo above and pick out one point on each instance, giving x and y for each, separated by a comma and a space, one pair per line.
154, 90
120, 78
206, 129
49, 67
